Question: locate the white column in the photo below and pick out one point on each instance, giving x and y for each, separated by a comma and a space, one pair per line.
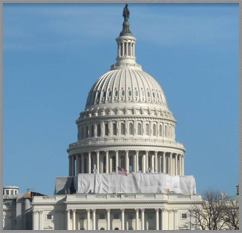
93, 219
143, 163
176, 171
170, 164
97, 153
163, 226
142, 219
35, 220
107, 162
72, 165
108, 219
146, 161
183, 167
164, 162
137, 161
69, 165
73, 220
89, 163
82, 162
157, 218
137, 219
88, 219
116, 161
127, 160
152, 163
68, 220
170, 219
175, 220
156, 162
77, 164
123, 219
40, 219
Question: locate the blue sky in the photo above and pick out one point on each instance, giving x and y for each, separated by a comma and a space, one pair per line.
53, 53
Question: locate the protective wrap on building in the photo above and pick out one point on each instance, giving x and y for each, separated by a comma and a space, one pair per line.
134, 183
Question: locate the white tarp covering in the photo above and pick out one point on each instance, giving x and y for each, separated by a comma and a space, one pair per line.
135, 183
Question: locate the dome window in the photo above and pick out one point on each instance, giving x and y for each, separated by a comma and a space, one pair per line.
154, 130
122, 128
147, 129
160, 130
148, 94
131, 129
92, 131
139, 129
98, 130
104, 94
123, 92
106, 129
153, 94
130, 93
136, 93
114, 129
114, 163
110, 93
116, 93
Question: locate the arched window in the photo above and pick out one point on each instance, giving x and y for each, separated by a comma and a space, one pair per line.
114, 164
154, 130
123, 92
116, 93
102, 228
165, 130
130, 93
106, 129
139, 129
147, 129
160, 130
122, 161
116, 229
110, 93
98, 130
122, 128
131, 128
114, 129
92, 130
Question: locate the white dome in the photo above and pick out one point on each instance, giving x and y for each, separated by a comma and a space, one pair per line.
126, 85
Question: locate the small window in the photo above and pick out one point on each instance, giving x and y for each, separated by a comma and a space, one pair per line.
11, 192
98, 130
82, 229
147, 129
114, 129
102, 229
101, 216
123, 92
82, 217
122, 128
131, 216
116, 216
131, 129
92, 130
150, 216
116, 229
49, 216
7, 192
106, 129
154, 130
110, 94
86, 131
184, 215
136, 93
104, 94
116, 93
148, 94
160, 130
153, 94
130, 93
139, 129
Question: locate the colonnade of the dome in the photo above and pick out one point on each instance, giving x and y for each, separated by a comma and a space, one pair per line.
108, 161
126, 127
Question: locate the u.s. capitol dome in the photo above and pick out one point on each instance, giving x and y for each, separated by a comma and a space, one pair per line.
126, 122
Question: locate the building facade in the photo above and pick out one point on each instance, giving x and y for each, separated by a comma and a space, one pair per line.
126, 129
